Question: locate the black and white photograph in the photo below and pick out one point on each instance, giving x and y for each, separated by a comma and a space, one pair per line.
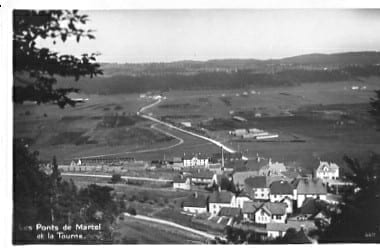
194, 125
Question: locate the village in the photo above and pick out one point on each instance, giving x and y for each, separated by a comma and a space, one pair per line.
224, 190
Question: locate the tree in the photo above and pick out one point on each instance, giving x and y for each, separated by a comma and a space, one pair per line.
359, 217
36, 68
375, 107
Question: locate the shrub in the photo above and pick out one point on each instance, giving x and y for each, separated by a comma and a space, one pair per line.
131, 211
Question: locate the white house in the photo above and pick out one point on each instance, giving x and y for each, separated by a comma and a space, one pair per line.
238, 201
271, 212
282, 191
327, 171
195, 204
218, 200
182, 182
272, 169
309, 188
257, 187
195, 160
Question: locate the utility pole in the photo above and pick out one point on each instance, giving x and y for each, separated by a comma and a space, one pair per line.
222, 157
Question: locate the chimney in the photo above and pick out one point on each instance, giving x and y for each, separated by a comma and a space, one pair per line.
196, 194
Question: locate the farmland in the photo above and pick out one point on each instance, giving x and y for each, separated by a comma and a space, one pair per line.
313, 120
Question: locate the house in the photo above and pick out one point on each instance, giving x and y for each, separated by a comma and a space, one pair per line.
195, 160
272, 169
218, 200
257, 187
202, 177
309, 188
195, 204
238, 200
327, 171
275, 230
249, 209
182, 182
231, 212
282, 191
270, 212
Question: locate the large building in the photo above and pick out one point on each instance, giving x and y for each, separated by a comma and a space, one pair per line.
195, 160
327, 171
257, 187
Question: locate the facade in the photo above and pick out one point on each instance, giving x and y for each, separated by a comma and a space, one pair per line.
249, 209
182, 183
272, 169
327, 171
271, 212
238, 201
309, 188
196, 160
257, 187
218, 200
195, 204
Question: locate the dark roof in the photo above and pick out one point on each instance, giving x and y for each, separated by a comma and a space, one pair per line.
310, 186
198, 201
251, 206
202, 174
229, 212
256, 182
179, 179
281, 188
275, 207
199, 156
238, 165
221, 197
312, 206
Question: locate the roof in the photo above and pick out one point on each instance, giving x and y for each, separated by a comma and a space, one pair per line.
281, 188
221, 197
239, 165
198, 156
283, 227
277, 208
251, 206
202, 174
179, 179
291, 174
326, 166
310, 186
195, 201
239, 177
229, 211
256, 182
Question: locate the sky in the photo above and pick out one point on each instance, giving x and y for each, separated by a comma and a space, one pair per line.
139, 36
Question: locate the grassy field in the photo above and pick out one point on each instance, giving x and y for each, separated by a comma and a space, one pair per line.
135, 231
330, 120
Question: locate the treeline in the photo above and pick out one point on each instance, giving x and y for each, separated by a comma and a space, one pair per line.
216, 80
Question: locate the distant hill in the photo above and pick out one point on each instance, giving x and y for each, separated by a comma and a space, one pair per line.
307, 61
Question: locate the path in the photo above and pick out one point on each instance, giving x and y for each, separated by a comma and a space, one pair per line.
123, 177
215, 142
169, 223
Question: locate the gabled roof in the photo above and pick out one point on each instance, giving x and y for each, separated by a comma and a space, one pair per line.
310, 186
281, 188
196, 201
251, 206
198, 156
221, 197
202, 174
179, 179
256, 182
229, 212
277, 208
326, 166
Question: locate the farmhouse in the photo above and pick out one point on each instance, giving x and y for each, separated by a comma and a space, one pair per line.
218, 200
202, 177
195, 160
231, 212
282, 191
195, 204
181, 182
327, 171
249, 209
271, 212
257, 187
309, 188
